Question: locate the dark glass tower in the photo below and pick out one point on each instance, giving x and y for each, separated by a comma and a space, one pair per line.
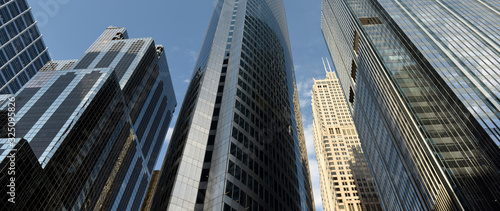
88, 131
422, 80
22, 51
236, 145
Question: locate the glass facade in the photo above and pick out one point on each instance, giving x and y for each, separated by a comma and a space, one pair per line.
146, 204
22, 51
346, 182
94, 126
422, 78
238, 143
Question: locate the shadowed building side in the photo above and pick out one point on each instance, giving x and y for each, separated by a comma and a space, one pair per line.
346, 182
236, 145
95, 125
421, 80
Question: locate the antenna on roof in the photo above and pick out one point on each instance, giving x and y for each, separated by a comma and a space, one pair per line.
328, 62
324, 65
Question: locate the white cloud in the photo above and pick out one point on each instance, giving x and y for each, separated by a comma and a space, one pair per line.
308, 133
313, 168
186, 81
163, 150
169, 135
304, 87
192, 54
313, 162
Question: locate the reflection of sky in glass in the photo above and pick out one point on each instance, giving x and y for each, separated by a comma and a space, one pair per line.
181, 26
399, 81
459, 39
22, 51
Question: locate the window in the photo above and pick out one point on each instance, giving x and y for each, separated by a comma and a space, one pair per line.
351, 95
370, 21
356, 42
354, 68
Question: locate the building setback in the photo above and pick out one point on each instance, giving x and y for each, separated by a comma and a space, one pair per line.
422, 81
236, 145
346, 181
22, 51
88, 131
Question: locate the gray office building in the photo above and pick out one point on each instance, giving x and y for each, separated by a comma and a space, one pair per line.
422, 78
22, 51
237, 144
88, 131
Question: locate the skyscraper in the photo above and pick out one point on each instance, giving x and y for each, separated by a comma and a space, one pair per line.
22, 51
146, 204
236, 145
346, 182
422, 80
88, 131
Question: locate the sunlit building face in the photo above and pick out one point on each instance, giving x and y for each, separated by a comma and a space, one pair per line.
422, 80
346, 181
237, 144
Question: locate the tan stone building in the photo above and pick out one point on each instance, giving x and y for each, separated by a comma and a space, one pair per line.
346, 182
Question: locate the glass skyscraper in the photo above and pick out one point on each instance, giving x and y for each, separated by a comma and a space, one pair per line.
88, 132
236, 144
422, 81
146, 204
22, 51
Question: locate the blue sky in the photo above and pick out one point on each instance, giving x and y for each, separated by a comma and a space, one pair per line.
69, 27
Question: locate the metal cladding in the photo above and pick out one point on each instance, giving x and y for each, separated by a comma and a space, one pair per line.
22, 51
236, 144
91, 128
422, 81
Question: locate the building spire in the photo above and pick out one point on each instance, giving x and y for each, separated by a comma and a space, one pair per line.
326, 70
328, 62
